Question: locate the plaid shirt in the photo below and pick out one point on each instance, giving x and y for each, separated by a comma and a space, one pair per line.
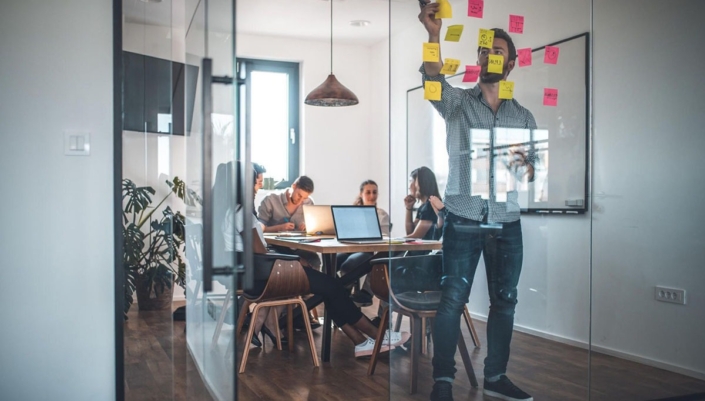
465, 110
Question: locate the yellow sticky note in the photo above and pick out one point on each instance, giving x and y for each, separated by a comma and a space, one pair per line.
485, 39
495, 64
444, 9
454, 32
450, 66
506, 90
432, 90
431, 52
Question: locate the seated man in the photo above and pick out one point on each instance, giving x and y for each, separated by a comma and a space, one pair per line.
284, 212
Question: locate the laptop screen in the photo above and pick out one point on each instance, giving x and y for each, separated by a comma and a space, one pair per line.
319, 220
356, 223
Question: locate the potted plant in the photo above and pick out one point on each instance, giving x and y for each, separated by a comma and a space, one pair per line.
151, 249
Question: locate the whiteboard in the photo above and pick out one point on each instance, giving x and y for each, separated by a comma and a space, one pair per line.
561, 138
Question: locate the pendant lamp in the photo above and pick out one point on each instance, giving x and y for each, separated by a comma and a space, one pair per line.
331, 93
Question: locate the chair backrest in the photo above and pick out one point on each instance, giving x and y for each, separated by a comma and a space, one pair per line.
287, 277
408, 273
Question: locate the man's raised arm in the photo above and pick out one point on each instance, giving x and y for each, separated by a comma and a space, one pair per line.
433, 27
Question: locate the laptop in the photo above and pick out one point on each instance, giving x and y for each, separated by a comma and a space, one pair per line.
357, 225
319, 220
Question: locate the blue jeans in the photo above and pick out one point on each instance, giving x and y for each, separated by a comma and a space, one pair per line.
502, 249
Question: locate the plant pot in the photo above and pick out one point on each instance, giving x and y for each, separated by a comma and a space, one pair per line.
150, 300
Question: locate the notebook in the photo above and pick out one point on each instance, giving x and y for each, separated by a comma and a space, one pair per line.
357, 225
319, 220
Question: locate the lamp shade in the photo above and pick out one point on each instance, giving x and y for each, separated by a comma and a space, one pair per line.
331, 93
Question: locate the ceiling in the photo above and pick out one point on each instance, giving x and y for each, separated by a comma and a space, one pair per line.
304, 19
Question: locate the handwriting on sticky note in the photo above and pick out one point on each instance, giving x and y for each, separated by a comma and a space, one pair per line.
454, 32
550, 97
431, 52
450, 66
472, 72
432, 90
444, 9
485, 39
524, 56
495, 64
516, 23
551, 55
506, 90
476, 8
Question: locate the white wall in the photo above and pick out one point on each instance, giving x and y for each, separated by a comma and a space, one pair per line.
648, 211
642, 237
56, 241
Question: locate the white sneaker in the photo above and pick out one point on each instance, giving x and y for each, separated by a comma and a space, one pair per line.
366, 348
394, 338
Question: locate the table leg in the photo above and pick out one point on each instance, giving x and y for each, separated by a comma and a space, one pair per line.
330, 268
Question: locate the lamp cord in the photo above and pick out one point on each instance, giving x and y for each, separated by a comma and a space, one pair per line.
331, 37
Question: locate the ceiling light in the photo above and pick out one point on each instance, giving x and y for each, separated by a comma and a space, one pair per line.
360, 22
331, 93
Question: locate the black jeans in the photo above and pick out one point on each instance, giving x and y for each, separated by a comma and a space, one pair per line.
502, 249
342, 310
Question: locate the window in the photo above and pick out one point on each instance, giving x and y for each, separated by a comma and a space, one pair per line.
270, 109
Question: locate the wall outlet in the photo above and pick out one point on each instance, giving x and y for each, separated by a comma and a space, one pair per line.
673, 295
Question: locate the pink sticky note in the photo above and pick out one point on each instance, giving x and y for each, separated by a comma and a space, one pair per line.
472, 72
516, 23
551, 55
475, 8
550, 97
524, 56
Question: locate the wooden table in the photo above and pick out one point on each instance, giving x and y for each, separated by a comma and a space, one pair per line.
329, 248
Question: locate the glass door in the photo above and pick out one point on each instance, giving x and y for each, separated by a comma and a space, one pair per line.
211, 153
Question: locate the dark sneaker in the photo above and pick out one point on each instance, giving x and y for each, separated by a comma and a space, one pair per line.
442, 391
362, 298
504, 389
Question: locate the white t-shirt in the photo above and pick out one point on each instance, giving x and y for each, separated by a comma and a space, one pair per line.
383, 221
230, 237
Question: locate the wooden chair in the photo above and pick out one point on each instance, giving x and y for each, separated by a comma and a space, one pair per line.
286, 283
417, 306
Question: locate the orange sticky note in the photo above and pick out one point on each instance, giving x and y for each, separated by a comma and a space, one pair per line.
444, 9
524, 56
550, 97
432, 90
472, 72
516, 23
495, 64
454, 32
450, 66
431, 52
485, 39
551, 55
506, 90
476, 8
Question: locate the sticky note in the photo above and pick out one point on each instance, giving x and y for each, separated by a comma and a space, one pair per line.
472, 72
450, 66
485, 39
506, 90
454, 32
475, 8
432, 90
444, 9
431, 52
524, 56
551, 55
550, 97
495, 64
516, 23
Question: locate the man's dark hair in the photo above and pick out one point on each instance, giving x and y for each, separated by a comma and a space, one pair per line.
304, 183
427, 181
500, 33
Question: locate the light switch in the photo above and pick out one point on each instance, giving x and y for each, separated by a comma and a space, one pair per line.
77, 143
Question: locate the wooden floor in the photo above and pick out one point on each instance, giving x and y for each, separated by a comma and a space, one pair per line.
158, 367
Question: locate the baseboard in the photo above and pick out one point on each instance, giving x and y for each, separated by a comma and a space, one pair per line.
603, 350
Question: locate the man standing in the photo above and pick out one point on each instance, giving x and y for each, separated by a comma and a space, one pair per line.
474, 225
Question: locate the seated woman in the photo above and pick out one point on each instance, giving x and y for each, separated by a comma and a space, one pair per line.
352, 266
422, 187
343, 311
